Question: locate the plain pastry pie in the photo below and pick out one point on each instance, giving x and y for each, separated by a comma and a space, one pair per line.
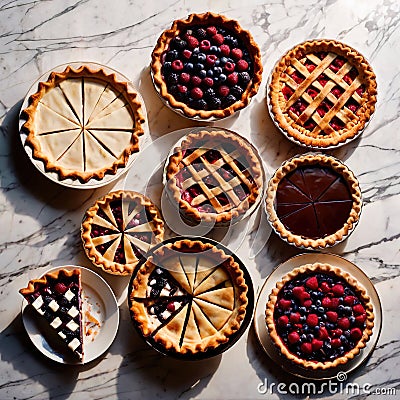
119, 228
322, 93
319, 316
214, 176
188, 297
83, 123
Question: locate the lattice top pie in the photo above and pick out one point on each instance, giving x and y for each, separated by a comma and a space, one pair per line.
322, 93
214, 176
189, 297
83, 123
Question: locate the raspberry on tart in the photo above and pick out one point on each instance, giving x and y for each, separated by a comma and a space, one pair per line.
57, 296
313, 201
119, 228
214, 176
209, 48
188, 297
83, 123
322, 93
311, 331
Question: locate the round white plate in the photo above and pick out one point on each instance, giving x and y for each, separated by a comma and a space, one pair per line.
100, 297
261, 327
75, 183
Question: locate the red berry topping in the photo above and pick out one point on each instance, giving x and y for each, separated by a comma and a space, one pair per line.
229, 67
283, 320
307, 303
356, 334
208, 81
211, 30
338, 290
184, 77
192, 42
344, 323
233, 78
225, 50
298, 291
236, 54
196, 93
332, 316
284, 304
293, 337
223, 90
349, 300
358, 309
312, 283
177, 65
325, 287
312, 320
242, 65
182, 88
60, 288
336, 332
171, 306
218, 39
310, 67
360, 319
306, 348
316, 344
323, 333
287, 92
211, 58
196, 80
335, 343
187, 53
294, 317
205, 45
335, 302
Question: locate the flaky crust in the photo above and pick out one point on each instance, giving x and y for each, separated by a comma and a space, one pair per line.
139, 285
95, 256
213, 137
83, 71
207, 18
309, 159
302, 135
361, 292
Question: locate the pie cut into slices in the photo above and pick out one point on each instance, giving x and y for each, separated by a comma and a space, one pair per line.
322, 93
214, 176
119, 228
319, 316
206, 66
57, 296
83, 123
313, 201
188, 296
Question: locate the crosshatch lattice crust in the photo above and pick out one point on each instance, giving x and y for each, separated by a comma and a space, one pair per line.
214, 176
322, 93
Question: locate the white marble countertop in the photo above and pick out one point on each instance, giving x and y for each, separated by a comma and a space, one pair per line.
40, 220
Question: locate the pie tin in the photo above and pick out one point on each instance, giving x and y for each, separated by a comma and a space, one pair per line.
269, 284
231, 222
297, 141
232, 339
302, 247
76, 183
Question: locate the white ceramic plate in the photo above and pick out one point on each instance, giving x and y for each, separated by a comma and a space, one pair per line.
261, 327
98, 295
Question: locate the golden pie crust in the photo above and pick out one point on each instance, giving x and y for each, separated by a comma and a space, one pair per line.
313, 159
83, 123
323, 134
212, 290
206, 19
124, 236
353, 283
222, 141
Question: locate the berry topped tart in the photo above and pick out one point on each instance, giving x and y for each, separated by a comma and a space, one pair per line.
322, 93
313, 201
119, 228
188, 297
83, 123
57, 296
214, 176
319, 317
206, 66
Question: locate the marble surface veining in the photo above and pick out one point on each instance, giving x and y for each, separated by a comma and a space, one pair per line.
40, 220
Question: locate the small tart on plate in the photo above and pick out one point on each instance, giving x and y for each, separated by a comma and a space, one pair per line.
188, 297
319, 316
206, 66
313, 201
322, 93
83, 123
214, 176
119, 228
57, 296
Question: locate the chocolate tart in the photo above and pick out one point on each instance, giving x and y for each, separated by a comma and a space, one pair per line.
313, 201
319, 316
214, 176
322, 93
83, 123
206, 66
119, 228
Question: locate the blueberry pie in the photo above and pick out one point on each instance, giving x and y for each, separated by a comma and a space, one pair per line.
188, 297
206, 66
313, 201
57, 296
83, 123
319, 317
119, 228
322, 93
214, 176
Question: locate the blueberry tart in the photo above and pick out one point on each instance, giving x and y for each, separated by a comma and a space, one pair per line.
119, 228
206, 66
319, 317
322, 93
188, 297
